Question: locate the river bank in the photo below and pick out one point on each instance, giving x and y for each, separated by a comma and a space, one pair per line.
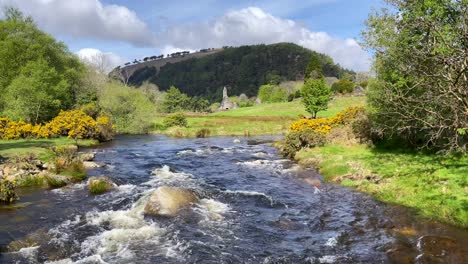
435, 186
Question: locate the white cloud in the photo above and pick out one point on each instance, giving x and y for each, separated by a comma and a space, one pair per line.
254, 26
86, 18
105, 61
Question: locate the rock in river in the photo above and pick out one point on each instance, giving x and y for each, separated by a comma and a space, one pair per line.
169, 200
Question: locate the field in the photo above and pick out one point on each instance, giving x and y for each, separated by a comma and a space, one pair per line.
435, 185
264, 119
39, 147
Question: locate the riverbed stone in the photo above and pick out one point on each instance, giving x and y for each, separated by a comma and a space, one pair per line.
101, 184
91, 164
34, 239
168, 201
87, 156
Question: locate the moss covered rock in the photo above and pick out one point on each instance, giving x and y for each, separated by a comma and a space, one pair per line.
100, 185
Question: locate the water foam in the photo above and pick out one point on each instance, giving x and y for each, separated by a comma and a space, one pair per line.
164, 175
211, 209
127, 228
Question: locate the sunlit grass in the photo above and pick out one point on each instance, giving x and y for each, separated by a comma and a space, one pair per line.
39, 147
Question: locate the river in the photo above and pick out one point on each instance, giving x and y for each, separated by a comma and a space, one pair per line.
255, 207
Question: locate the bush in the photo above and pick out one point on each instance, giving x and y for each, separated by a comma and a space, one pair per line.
270, 93
306, 138
202, 133
73, 124
315, 132
7, 191
215, 107
128, 108
176, 119
343, 86
246, 104
105, 128
362, 128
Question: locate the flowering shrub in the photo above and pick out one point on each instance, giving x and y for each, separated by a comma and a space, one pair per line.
7, 191
324, 125
308, 133
73, 124
321, 125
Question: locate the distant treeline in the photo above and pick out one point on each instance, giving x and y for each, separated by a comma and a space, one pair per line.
242, 69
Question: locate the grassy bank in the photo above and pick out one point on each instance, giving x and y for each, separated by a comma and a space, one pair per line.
264, 119
436, 186
39, 147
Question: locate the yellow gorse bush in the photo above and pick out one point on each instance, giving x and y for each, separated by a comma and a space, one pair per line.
73, 124
324, 125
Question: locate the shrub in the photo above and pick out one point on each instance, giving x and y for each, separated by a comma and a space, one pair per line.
73, 124
343, 86
362, 127
270, 93
7, 191
321, 125
76, 170
202, 133
306, 138
315, 132
129, 109
246, 104
105, 128
215, 107
176, 119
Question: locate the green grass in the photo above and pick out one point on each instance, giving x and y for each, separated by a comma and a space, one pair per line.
264, 119
55, 182
99, 187
31, 181
435, 185
39, 147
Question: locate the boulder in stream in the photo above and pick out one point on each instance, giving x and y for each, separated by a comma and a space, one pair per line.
168, 201
91, 165
87, 156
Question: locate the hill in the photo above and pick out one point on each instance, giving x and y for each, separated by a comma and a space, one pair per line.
241, 69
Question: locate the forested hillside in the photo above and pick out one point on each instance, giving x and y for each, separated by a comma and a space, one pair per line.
242, 69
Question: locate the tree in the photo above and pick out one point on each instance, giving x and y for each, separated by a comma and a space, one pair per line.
174, 101
26, 52
315, 96
314, 69
421, 63
37, 94
129, 108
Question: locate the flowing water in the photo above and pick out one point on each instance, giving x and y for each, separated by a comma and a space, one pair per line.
254, 207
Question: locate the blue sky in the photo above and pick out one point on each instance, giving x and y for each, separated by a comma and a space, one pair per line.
124, 29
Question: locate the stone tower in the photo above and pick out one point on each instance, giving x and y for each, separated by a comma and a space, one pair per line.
225, 93
226, 104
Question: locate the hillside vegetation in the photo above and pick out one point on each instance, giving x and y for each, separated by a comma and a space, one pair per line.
242, 69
